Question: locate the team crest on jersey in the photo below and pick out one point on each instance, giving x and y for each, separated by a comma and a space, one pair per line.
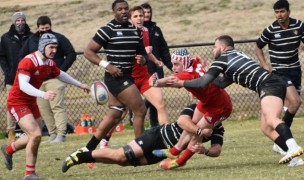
48, 71
36, 73
125, 83
277, 35
135, 32
119, 33
156, 34
295, 32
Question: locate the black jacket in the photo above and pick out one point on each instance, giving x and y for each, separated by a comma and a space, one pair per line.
64, 57
10, 45
160, 48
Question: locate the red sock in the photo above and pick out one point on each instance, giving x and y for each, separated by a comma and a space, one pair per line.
187, 154
29, 169
10, 149
175, 150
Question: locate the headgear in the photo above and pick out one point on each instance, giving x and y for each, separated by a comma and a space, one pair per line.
46, 38
183, 56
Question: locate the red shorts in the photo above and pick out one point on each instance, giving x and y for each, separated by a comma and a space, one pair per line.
216, 115
142, 83
19, 111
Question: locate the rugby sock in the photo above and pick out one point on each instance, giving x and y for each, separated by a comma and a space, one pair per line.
29, 169
10, 149
93, 143
187, 154
85, 157
175, 150
284, 131
288, 118
281, 143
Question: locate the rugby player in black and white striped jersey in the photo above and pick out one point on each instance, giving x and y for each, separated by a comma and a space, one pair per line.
239, 68
283, 38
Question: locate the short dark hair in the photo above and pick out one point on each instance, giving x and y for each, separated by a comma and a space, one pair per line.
281, 4
117, 1
226, 39
135, 8
43, 20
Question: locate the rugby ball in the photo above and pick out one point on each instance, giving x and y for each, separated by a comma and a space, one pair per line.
99, 92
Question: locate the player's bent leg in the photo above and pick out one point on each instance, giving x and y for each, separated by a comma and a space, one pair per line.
155, 97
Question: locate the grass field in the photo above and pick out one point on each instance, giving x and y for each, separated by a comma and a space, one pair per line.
246, 154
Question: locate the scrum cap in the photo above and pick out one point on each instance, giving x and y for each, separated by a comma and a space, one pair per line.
46, 39
183, 56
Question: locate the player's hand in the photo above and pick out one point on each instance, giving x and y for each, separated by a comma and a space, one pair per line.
114, 71
302, 46
267, 68
198, 148
152, 79
49, 95
85, 87
207, 132
175, 82
140, 59
149, 49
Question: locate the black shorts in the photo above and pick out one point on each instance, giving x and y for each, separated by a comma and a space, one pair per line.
117, 85
151, 139
291, 77
273, 85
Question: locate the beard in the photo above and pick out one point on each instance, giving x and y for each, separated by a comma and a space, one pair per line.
20, 28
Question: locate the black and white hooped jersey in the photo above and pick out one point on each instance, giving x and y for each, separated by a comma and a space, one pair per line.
239, 68
283, 44
121, 43
171, 132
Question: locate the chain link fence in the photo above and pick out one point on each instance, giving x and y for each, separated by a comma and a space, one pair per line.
245, 102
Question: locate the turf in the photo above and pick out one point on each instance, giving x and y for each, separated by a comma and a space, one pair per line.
246, 154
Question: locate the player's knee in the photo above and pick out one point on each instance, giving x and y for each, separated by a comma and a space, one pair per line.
130, 156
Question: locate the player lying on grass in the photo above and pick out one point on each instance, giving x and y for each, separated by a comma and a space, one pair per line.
214, 104
237, 67
139, 151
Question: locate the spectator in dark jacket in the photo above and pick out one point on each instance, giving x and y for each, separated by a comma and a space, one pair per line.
53, 112
160, 51
11, 43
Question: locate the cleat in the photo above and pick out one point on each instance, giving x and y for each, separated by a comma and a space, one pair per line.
278, 150
8, 159
163, 153
169, 164
72, 159
33, 176
104, 144
297, 161
290, 155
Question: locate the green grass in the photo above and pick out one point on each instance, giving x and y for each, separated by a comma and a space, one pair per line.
246, 154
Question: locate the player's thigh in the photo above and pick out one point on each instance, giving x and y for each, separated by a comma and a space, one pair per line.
292, 95
154, 96
131, 97
30, 125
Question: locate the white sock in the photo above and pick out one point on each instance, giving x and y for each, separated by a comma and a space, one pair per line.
292, 144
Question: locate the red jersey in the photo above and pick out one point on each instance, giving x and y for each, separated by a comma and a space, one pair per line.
212, 96
38, 70
139, 70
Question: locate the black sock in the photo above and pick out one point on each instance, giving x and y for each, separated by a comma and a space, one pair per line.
288, 118
85, 157
92, 144
107, 137
284, 131
281, 143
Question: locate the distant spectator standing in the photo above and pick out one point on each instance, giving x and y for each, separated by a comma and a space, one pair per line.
11, 43
53, 112
160, 50
283, 38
